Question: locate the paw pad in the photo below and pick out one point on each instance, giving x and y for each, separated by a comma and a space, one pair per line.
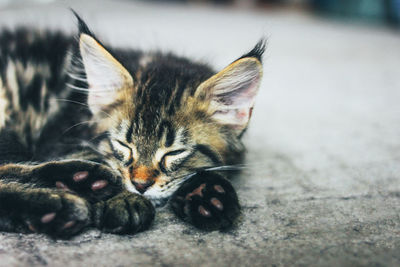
61, 185
80, 176
48, 217
68, 225
203, 211
196, 192
219, 189
208, 201
99, 185
217, 203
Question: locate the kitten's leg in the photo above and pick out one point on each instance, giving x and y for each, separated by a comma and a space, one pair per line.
90, 180
207, 200
51, 211
126, 213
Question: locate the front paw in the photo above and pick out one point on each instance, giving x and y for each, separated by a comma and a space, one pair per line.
208, 201
55, 213
126, 213
90, 180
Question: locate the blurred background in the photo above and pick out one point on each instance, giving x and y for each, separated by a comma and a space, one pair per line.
369, 11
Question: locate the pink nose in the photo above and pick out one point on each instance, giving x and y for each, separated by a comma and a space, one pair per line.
142, 187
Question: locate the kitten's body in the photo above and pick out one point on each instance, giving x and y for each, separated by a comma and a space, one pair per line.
80, 129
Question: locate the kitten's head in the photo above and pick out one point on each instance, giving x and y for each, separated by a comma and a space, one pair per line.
166, 117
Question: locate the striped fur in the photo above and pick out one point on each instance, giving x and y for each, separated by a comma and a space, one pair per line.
155, 119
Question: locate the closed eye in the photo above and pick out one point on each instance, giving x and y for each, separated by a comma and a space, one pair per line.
122, 144
173, 158
125, 150
175, 152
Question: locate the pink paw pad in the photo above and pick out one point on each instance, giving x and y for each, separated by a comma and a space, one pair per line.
198, 191
80, 176
61, 185
203, 211
68, 225
99, 185
48, 217
31, 227
219, 189
217, 203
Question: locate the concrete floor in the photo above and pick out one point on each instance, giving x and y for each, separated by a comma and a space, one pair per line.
322, 185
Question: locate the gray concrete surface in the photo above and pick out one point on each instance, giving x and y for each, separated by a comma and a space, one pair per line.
322, 187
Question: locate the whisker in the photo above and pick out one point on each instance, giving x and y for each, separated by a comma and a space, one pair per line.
79, 123
77, 77
72, 101
91, 90
76, 87
227, 168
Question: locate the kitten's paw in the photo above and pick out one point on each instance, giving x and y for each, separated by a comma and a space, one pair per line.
91, 180
58, 214
208, 201
126, 213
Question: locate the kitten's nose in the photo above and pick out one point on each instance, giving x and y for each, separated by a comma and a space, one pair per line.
142, 187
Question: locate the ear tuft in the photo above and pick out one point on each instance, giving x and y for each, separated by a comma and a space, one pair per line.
82, 26
258, 50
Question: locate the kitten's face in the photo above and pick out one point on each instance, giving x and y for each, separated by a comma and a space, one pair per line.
154, 158
170, 118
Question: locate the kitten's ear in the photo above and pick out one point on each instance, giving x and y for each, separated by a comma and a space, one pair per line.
105, 75
232, 91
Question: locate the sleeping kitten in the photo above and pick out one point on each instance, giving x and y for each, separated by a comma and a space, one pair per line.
94, 136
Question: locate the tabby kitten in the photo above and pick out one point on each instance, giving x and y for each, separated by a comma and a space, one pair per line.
94, 136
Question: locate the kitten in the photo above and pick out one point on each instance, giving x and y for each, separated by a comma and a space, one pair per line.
95, 136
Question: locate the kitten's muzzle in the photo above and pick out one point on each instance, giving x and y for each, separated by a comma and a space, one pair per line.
142, 178
142, 187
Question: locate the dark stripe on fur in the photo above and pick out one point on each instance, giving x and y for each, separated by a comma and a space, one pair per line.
129, 133
166, 127
207, 151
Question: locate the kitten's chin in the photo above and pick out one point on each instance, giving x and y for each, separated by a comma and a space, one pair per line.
157, 197
159, 202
